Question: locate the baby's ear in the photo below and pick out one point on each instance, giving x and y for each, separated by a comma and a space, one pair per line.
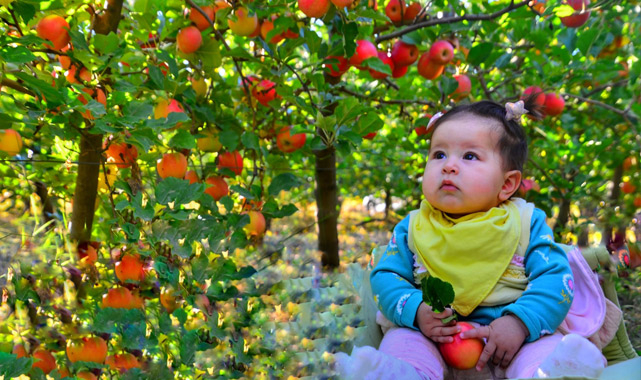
511, 183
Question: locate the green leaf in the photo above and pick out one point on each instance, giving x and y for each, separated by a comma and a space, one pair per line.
568, 38
437, 293
250, 140
11, 366
107, 318
25, 10
17, 54
480, 53
178, 191
586, 39
210, 55
182, 140
188, 345
156, 77
78, 40
448, 84
106, 43
376, 64
284, 181
42, 88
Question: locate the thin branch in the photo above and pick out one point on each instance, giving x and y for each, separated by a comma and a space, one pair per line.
450, 20
392, 101
546, 175
481, 79
622, 113
15, 19
16, 86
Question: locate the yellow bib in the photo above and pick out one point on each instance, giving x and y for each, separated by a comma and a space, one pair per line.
471, 252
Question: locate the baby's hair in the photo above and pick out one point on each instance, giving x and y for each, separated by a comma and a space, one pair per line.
513, 141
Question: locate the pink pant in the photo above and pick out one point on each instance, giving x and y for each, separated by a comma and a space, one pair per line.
413, 347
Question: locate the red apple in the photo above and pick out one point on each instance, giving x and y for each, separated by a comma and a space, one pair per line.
244, 24
267, 26
364, 50
462, 353
441, 52
287, 142
370, 136
464, 87
198, 19
231, 160
554, 104
264, 91
336, 69
216, 187
189, 39
55, 29
427, 68
422, 129
386, 60
399, 71
404, 54
577, 18
10, 141
412, 11
533, 90
314, 8
192, 176
395, 10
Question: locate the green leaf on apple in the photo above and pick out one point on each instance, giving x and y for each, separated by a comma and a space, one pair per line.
480, 53
438, 294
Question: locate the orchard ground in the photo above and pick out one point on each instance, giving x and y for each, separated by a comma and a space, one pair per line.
289, 251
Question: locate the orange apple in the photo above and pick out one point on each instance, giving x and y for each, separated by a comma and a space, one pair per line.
84, 75
164, 108
264, 91
289, 143
210, 142
192, 176
231, 160
189, 39
314, 8
411, 12
96, 94
55, 29
342, 3
200, 86
86, 375
216, 187
168, 299
129, 268
198, 19
87, 349
10, 141
20, 351
43, 360
118, 298
65, 61
462, 353
628, 188
244, 24
87, 252
172, 165
123, 154
256, 226
266, 27
122, 362
427, 68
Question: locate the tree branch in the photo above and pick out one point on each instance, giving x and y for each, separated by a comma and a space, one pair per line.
392, 101
16, 86
450, 20
623, 113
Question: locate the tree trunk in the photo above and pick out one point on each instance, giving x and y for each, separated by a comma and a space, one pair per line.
84, 198
327, 204
564, 216
609, 211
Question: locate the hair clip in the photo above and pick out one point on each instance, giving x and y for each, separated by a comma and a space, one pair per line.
514, 111
433, 119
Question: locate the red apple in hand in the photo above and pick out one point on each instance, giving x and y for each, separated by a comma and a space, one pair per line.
462, 353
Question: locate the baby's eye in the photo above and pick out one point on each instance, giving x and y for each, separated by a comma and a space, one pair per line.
470, 156
438, 155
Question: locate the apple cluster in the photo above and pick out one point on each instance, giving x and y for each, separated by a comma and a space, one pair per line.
550, 103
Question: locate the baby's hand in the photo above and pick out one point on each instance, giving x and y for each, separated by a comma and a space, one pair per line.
504, 336
432, 326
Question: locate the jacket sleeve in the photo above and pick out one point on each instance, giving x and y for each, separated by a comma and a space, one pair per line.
393, 280
548, 296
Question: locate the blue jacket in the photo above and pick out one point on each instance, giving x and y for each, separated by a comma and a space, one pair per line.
542, 306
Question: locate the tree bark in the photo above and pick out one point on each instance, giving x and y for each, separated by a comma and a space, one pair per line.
608, 228
327, 204
84, 198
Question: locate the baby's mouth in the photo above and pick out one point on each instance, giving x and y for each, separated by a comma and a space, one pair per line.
448, 186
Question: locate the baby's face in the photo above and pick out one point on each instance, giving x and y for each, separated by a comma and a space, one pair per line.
463, 174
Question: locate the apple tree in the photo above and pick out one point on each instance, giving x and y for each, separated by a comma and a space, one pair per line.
149, 143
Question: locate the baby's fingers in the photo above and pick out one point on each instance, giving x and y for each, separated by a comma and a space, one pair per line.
444, 314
